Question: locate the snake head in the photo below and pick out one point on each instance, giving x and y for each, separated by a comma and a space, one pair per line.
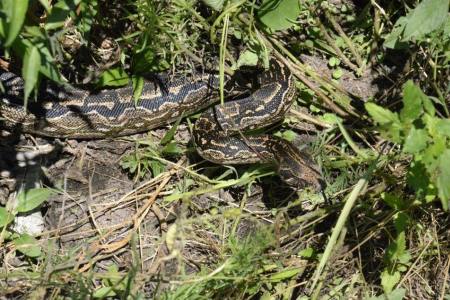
296, 168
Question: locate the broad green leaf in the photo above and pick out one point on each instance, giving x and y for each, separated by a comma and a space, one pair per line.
288, 135
428, 105
392, 41
390, 126
307, 253
395, 249
5, 217
393, 201
28, 245
30, 199
443, 179
35, 32
416, 140
138, 86
30, 70
416, 179
431, 154
18, 10
172, 149
334, 61
412, 102
337, 73
21, 46
428, 16
397, 294
381, 115
443, 127
401, 222
145, 62
247, 58
389, 280
215, 4
113, 77
278, 14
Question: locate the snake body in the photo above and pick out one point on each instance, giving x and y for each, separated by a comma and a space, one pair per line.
218, 133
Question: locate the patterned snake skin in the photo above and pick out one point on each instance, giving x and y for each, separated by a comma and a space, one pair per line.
218, 133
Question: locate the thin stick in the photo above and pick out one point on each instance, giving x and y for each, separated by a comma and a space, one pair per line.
338, 51
346, 39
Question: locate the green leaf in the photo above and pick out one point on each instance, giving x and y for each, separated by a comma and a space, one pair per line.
46, 5
143, 62
28, 245
393, 201
5, 217
416, 140
104, 292
381, 115
285, 274
59, 14
412, 102
428, 16
21, 46
278, 14
392, 41
289, 135
337, 73
443, 179
390, 126
330, 118
17, 10
30, 70
431, 154
30, 199
138, 86
389, 280
172, 149
113, 77
397, 294
401, 222
157, 167
247, 58
334, 61
89, 10
307, 253
171, 132
443, 127
416, 179
214, 4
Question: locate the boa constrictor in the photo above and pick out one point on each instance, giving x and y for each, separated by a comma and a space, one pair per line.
218, 132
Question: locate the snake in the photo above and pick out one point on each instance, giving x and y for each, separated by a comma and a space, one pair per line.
220, 133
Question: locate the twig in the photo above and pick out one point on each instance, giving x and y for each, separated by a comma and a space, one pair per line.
309, 118
346, 39
336, 48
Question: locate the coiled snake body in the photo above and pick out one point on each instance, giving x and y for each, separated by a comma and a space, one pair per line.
218, 133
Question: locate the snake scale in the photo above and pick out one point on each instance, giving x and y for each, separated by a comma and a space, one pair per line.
218, 132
